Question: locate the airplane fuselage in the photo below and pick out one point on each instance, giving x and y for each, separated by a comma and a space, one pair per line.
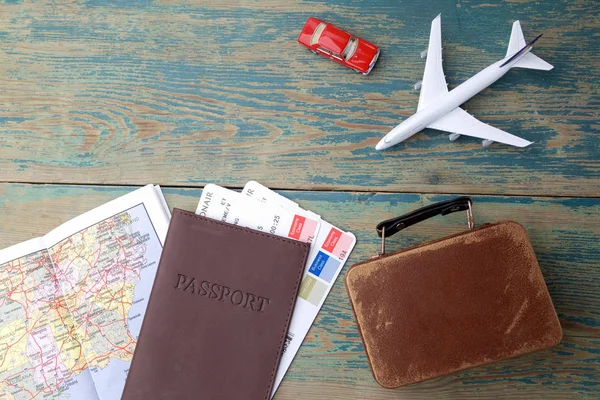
447, 102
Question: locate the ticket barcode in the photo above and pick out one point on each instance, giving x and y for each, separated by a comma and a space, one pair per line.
288, 340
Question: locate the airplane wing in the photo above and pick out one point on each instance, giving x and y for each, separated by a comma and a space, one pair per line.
434, 82
461, 122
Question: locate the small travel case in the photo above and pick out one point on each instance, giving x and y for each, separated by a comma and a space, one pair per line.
455, 303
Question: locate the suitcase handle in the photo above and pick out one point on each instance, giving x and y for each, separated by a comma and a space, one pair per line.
392, 226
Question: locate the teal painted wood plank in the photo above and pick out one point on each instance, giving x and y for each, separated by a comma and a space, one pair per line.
331, 364
185, 93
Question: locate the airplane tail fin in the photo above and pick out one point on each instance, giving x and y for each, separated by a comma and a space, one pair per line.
529, 60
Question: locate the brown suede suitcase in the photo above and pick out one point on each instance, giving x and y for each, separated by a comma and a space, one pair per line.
455, 303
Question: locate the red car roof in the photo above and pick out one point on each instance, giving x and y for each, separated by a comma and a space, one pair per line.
334, 39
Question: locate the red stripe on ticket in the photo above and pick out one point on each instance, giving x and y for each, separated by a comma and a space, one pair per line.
332, 239
297, 226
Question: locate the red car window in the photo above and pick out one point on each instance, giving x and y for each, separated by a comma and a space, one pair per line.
314, 39
350, 48
324, 51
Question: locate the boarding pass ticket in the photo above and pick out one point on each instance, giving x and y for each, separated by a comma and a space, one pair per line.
330, 247
327, 256
229, 206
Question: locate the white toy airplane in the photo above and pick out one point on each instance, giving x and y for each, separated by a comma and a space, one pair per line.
439, 108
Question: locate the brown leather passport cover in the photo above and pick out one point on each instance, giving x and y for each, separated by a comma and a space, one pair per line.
218, 314
467, 300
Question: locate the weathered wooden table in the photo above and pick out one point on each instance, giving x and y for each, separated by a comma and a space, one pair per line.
99, 97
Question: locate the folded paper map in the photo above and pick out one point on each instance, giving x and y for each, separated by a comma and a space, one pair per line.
72, 302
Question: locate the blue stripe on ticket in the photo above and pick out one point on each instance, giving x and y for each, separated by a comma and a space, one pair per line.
324, 266
318, 263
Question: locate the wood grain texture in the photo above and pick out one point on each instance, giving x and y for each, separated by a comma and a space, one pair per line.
331, 363
184, 93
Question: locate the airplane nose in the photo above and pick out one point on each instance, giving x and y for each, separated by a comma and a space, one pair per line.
382, 145
395, 136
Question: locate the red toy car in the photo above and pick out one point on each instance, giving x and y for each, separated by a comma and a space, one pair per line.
339, 45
